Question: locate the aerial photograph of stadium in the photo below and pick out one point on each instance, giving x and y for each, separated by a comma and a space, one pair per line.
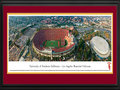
60, 38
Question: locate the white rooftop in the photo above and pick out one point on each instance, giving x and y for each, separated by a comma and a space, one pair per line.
100, 45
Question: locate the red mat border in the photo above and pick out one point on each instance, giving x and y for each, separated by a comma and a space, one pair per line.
59, 78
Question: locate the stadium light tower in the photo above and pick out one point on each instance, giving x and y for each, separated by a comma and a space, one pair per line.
51, 54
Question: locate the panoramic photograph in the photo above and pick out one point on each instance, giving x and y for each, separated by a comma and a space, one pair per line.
60, 38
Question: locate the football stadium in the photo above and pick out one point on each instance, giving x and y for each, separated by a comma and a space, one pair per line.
100, 46
53, 42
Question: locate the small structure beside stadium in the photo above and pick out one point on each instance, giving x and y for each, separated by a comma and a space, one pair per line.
53, 42
100, 46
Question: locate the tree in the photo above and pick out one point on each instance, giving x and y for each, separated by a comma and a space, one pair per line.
28, 42
80, 49
23, 30
109, 58
106, 34
93, 57
76, 33
17, 36
10, 42
81, 43
38, 29
79, 56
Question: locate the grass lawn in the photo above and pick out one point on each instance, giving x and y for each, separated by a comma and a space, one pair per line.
51, 44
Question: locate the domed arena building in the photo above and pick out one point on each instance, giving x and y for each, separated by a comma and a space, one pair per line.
53, 42
100, 46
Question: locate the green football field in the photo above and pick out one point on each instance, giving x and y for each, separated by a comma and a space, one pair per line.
51, 44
